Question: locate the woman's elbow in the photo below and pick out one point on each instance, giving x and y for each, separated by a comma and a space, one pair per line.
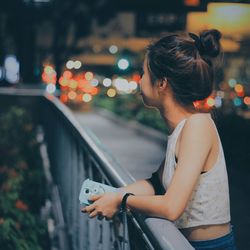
172, 213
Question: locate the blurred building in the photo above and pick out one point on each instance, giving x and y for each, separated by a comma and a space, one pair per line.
108, 38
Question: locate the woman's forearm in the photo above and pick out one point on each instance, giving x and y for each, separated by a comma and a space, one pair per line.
140, 187
155, 205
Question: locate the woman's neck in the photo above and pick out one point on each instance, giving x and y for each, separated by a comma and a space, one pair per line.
173, 113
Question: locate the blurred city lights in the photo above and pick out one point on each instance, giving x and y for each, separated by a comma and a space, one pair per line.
192, 3
63, 81
136, 77
79, 98
77, 64
73, 64
64, 98
221, 94
86, 97
89, 76
94, 91
11, 64
72, 95
123, 64
111, 92
51, 88
247, 100
238, 88
107, 82
49, 74
217, 101
133, 85
121, 84
48, 70
12, 78
70, 64
113, 49
94, 82
237, 101
67, 74
240, 94
12, 68
73, 84
232, 82
210, 102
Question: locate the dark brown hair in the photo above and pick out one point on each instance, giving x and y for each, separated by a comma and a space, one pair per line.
186, 63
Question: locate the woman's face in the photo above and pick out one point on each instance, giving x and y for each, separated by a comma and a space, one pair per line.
148, 91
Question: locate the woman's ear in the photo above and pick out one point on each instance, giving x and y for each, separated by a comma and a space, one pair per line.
162, 84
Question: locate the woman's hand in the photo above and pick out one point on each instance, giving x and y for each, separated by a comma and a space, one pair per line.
105, 205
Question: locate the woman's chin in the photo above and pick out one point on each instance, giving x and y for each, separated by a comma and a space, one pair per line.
148, 104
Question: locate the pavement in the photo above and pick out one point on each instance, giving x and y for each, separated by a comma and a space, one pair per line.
140, 150
136, 150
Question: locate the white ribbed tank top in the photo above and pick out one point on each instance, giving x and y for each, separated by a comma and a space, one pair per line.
209, 203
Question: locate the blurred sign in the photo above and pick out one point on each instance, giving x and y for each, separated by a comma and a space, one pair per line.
152, 23
232, 19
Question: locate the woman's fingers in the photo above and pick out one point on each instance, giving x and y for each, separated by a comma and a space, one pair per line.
88, 209
93, 214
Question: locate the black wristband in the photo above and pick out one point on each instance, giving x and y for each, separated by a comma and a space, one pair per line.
124, 201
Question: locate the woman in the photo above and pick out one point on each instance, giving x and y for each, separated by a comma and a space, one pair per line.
178, 71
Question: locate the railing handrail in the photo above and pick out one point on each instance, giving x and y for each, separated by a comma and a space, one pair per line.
151, 228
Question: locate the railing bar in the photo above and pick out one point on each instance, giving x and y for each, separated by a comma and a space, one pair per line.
97, 158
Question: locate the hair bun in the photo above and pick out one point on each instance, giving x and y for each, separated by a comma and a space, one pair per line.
210, 40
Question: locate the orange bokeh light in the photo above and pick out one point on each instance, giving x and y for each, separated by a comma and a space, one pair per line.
247, 100
241, 94
94, 91
67, 74
136, 78
64, 98
192, 3
79, 97
239, 88
72, 95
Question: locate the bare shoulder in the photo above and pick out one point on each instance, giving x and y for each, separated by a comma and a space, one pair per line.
200, 121
197, 126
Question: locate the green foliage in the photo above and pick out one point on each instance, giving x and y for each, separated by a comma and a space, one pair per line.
21, 183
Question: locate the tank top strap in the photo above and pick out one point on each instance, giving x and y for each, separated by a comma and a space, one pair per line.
173, 141
177, 129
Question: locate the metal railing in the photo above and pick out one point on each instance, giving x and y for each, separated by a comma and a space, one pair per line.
76, 154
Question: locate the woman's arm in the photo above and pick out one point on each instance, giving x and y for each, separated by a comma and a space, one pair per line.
140, 187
